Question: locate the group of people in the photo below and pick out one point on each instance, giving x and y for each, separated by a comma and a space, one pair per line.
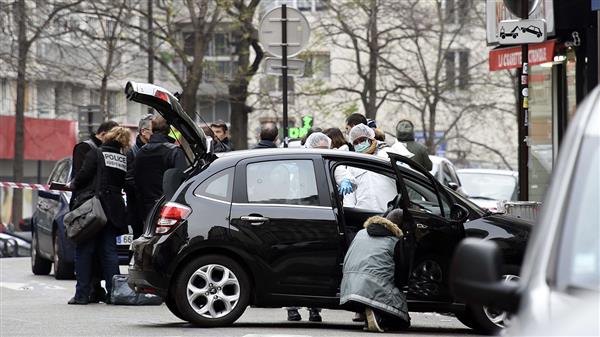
370, 287
104, 166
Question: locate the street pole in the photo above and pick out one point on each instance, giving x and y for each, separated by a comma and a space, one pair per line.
285, 73
150, 47
150, 44
523, 119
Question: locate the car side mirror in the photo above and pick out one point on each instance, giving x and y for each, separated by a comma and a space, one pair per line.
475, 276
459, 213
453, 186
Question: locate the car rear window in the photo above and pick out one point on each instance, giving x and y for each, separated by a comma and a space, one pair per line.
219, 186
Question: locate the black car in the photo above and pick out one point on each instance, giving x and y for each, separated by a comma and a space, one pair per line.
267, 228
50, 248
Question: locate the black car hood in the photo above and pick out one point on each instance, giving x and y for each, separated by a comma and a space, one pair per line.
168, 106
501, 224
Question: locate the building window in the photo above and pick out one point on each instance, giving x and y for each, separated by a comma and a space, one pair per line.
188, 43
219, 70
456, 11
317, 65
5, 101
457, 69
211, 110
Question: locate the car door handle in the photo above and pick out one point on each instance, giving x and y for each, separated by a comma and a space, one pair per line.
254, 219
421, 226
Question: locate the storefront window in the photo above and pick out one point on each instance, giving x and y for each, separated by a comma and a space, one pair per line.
571, 85
540, 130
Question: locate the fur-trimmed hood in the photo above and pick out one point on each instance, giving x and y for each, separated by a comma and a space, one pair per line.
387, 224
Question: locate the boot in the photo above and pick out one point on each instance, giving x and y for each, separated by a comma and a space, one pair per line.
294, 315
98, 295
77, 301
314, 315
373, 321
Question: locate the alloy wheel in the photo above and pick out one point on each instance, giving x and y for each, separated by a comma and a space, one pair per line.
213, 291
499, 317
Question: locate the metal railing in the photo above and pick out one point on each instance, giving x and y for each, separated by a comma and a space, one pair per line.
528, 210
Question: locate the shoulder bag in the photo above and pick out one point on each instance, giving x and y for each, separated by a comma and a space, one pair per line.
89, 218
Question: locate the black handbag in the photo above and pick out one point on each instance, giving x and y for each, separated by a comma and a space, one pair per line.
88, 219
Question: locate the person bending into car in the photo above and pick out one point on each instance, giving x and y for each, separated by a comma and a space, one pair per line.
105, 169
373, 285
152, 161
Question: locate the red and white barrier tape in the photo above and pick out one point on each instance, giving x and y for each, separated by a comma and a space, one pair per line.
26, 186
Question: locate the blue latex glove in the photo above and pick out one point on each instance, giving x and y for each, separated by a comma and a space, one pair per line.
346, 187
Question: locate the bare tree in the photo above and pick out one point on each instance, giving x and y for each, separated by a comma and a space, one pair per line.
244, 37
443, 79
106, 45
32, 25
364, 28
182, 32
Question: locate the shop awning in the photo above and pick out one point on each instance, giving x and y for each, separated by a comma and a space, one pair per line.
45, 139
510, 58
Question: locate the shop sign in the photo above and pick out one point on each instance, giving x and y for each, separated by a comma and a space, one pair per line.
496, 12
510, 58
307, 124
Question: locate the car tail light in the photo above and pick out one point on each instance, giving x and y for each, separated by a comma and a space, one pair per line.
171, 215
162, 95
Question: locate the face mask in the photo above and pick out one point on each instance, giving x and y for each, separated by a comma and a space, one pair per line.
362, 147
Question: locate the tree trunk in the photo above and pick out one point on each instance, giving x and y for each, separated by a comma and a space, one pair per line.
188, 97
371, 107
238, 92
103, 97
431, 131
18, 164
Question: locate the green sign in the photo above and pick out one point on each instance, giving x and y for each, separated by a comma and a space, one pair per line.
296, 133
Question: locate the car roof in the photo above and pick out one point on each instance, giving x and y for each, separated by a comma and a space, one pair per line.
235, 156
488, 171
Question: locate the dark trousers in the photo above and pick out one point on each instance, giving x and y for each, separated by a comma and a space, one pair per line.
104, 245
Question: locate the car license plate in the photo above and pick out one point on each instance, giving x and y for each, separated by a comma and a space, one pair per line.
124, 239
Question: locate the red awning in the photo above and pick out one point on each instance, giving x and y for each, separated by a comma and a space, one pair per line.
510, 58
45, 139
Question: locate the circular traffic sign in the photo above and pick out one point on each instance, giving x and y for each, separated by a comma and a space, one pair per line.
270, 31
515, 6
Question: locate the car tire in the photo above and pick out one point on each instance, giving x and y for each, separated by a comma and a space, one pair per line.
222, 291
486, 320
39, 265
62, 270
172, 305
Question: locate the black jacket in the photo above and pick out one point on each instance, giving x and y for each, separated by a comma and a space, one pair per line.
105, 169
220, 146
150, 164
134, 207
79, 154
421, 156
265, 144
227, 142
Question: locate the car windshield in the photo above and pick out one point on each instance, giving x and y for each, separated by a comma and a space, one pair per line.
488, 186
